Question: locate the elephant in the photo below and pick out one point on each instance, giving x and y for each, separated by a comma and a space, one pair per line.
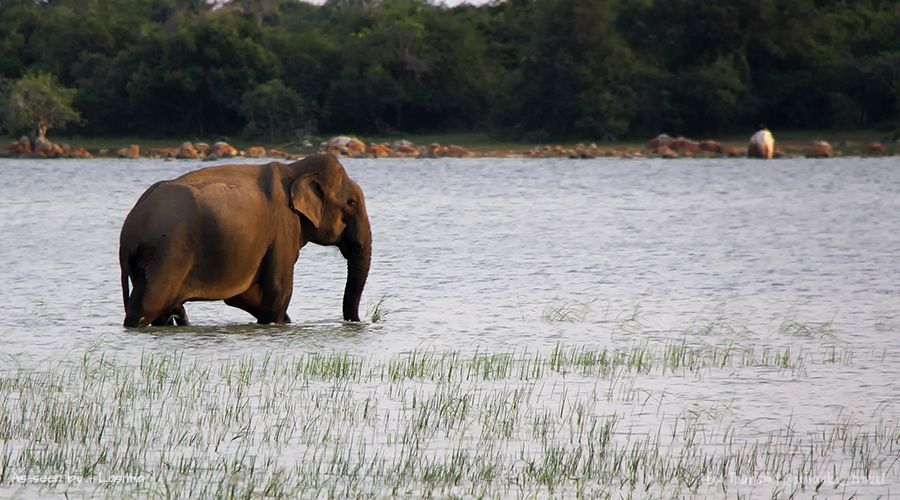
234, 233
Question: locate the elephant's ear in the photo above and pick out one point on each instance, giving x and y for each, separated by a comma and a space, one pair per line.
306, 198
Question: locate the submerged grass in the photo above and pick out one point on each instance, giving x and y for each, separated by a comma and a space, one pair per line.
377, 312
566, 312
570, 421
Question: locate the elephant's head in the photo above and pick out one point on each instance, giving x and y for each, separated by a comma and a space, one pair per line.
334, 210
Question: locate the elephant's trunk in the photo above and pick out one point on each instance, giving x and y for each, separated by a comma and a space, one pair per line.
359, 257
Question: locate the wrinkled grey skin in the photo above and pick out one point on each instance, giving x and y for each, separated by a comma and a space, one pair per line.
234, 233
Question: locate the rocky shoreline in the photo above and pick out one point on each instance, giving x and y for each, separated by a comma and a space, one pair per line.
661, 146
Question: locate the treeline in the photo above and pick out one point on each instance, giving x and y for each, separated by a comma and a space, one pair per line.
526, 69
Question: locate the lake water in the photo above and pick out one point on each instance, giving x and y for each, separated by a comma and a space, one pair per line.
481, 255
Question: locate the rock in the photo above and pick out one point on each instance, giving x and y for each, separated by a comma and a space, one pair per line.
222, 149
20, 147
163, 153
256, 152
103, 152
345, 146
582, 152
877, 148
378, 151
661, 149
405, 151
81, 153
661, 139
277, 153
684, 146
820, 149
762, 145
356, 147
132, 152
437, 151
42, 147
455, 151
710, 147
668, 153
187, 152
212, 157
733, 152
400, 143
24, 147
202, 148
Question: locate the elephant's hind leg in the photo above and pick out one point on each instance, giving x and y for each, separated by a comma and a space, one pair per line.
253, 301
155, 303
176, 316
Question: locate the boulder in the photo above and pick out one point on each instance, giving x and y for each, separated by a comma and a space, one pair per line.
18, 148
356, 147
202, 148
132, 152
24, 146
277, 153
400, 143
42, 147
378, 151
710, 147
345, 146
877, 148
46, 149
761, 145
434, 151
733, 152
81, 153
661, 149
455, 151
222, 149
163, 152
667, 152
256, 152
187, 151
582, 152
820, 149
661, 139
684, 146
405, 151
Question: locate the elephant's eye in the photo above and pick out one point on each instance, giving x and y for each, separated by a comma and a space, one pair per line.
351, 202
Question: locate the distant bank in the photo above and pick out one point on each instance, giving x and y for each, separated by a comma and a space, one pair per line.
789, 144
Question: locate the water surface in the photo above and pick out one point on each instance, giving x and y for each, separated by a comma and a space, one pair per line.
475, 255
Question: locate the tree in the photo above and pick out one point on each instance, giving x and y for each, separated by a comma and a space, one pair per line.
271, 109
38, 101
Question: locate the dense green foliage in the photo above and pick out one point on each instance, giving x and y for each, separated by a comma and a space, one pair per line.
534, 69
